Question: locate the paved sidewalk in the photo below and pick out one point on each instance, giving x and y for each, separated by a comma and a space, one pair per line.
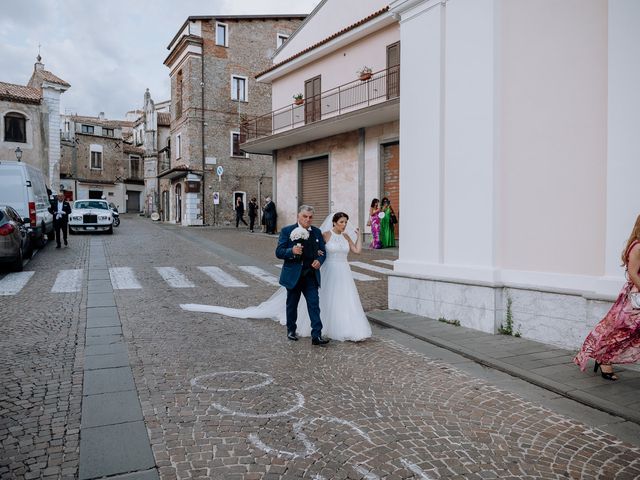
543, 365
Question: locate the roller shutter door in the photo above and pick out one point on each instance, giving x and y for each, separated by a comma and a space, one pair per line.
314, 186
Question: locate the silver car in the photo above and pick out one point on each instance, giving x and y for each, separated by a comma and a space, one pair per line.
14, 238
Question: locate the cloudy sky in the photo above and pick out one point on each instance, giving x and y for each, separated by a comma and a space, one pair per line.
109, 51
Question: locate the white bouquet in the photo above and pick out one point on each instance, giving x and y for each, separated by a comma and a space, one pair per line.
299, 233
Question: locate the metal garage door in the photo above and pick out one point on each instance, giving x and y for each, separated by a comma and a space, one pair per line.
133, 201
314, 186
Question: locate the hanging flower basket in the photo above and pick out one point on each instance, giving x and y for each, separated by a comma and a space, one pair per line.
298, 99
365, 73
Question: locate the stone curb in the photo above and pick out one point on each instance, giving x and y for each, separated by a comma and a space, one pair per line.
533, 378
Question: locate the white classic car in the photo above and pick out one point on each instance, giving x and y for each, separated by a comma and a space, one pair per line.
90, 216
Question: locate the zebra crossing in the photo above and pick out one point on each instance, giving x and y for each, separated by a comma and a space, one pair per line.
125, 278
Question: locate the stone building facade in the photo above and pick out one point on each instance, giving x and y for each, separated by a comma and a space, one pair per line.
212, 62
98, 161
30, 121
150, 139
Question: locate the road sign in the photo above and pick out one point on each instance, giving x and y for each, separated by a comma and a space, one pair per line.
219, 170
216, 198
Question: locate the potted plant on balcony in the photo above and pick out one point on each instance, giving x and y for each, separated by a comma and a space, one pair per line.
298, 99
364, 73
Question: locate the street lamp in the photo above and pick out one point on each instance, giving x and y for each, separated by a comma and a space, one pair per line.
18, 153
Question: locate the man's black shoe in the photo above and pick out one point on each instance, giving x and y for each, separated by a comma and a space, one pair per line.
66, 243
319, 341
292, 336
58, 246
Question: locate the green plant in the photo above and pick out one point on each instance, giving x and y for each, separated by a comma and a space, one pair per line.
507, 328
298, 96
365, 71
455, 323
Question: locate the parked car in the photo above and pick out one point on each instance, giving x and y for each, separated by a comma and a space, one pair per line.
23, 188
90, 216
14, 238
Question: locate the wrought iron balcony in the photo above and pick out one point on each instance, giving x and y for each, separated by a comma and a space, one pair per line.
376, 89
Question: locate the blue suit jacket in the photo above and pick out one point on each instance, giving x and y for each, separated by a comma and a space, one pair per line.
292, 267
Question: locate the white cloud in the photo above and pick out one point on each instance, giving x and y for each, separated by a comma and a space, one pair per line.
108, 51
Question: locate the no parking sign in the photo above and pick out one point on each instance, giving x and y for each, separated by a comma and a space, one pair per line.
216, 198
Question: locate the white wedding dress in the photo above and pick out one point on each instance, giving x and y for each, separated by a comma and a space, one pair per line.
340, 309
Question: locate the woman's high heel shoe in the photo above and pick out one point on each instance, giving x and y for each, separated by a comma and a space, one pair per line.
606, 375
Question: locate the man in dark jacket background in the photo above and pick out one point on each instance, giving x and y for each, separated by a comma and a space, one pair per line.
60, 209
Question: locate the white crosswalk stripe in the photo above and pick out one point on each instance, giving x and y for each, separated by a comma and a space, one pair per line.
260, 274
373, 268
356, 275
68, 281
221, 277
123, 278
174, 277
362, 277
386, 262
12, 283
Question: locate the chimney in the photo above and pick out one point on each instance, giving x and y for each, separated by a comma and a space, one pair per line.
101, 115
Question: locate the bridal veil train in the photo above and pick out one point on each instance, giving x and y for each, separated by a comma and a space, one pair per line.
340, 308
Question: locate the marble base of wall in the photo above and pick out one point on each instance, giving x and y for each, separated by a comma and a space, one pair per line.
557, 319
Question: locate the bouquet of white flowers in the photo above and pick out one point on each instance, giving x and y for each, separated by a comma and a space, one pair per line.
298, 234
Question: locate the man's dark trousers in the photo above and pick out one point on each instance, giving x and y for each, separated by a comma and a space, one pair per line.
307, 286
60, 224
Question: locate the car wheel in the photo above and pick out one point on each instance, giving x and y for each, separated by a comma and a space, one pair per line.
71, 231
51, 235
40, 240
17, 264
110, 231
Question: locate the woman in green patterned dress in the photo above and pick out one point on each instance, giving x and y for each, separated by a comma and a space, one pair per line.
387, 235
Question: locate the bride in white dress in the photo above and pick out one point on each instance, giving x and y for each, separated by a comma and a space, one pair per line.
340, 308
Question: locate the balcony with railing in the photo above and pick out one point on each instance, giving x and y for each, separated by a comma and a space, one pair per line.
365, 102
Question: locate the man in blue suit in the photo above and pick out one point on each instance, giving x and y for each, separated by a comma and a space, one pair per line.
301, 273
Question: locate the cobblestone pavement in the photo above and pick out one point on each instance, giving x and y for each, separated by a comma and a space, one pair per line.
41, 370
233, 399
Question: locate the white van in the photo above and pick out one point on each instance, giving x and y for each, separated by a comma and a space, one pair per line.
23, 187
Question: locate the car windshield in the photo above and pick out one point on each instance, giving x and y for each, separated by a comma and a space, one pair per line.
91, 204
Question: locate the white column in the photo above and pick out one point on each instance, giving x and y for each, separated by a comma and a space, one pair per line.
470, 145
421, 141
623, 142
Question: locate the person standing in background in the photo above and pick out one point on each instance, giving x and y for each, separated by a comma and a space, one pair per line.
270, 216
387, 234
374, 223
60, 209
253, 212
239, 211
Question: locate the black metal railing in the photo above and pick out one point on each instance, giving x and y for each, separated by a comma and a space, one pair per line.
369, 90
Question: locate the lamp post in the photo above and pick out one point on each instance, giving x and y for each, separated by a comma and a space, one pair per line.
18, 153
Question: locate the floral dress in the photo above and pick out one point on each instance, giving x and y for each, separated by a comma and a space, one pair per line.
616, 339
375, 230
387, 235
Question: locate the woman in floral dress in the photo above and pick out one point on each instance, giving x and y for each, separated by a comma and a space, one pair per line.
374, 222
616, 339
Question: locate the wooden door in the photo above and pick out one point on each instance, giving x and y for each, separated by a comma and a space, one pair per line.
393, 70
312, 95
314, 186
179, 203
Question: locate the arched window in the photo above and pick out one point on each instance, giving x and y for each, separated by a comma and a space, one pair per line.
15, 128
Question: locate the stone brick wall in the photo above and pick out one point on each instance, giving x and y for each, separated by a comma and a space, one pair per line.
34, 150
250, 46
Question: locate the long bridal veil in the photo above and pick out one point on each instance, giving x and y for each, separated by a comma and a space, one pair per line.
275, 306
